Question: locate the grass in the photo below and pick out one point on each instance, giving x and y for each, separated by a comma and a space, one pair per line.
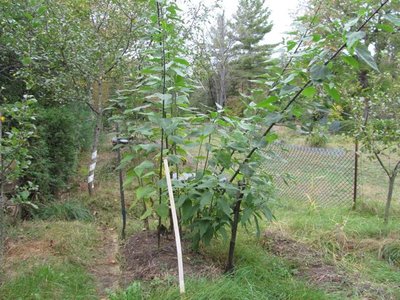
354, 241
48, 260
50, 281
258, 276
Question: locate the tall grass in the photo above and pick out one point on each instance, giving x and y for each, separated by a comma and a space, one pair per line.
65, 211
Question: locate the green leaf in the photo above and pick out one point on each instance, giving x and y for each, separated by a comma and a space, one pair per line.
143, 166
385, 27
291, 45
224, 206
267, 102
354, 37
147, 214
288, 89
128, 179
205, 199
188, 210
316, 37
145, 192
162, 210
127, 158
26, 60
246, 215
364, 54
351, 61
393, 19
271, 137
309, 92
319, 73
333, 93
224, 158
181, 61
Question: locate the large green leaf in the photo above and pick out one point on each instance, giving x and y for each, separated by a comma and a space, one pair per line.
364, 54
224, 206
309, 92
288, 89
319, 73
266, 103
162, 210
353, 37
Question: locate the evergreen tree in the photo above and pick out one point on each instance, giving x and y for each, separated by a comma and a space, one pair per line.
251, 24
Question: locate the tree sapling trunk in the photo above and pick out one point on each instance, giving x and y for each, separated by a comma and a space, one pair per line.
236, 211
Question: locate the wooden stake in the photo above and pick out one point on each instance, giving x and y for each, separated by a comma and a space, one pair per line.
176, 228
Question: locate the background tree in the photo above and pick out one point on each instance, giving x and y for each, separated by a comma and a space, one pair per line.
221, 55
249, 26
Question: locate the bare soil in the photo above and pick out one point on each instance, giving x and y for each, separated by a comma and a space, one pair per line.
105, 269
144, 261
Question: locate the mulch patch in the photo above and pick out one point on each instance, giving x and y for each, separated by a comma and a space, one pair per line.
144, 261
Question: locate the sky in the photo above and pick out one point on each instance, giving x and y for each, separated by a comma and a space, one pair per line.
281, 11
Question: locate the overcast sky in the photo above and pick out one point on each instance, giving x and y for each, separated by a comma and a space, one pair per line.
281, 11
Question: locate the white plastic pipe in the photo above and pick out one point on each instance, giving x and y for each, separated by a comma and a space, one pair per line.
176, 228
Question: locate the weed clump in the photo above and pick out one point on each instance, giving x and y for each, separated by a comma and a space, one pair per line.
391, 253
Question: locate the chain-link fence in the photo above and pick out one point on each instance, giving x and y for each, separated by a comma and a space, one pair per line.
373, 182
323, 175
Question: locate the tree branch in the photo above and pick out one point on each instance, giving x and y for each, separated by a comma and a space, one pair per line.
382, 164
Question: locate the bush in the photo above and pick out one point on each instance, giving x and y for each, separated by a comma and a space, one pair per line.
62, 133
317, 138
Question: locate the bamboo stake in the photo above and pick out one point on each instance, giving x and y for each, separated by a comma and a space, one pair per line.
176, 228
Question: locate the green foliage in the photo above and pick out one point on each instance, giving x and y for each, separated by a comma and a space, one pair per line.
64, 211
62, 281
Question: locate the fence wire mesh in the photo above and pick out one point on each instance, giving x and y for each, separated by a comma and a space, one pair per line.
373, 182
321, 175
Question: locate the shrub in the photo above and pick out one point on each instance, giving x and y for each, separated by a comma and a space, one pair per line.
62, 133
317, 138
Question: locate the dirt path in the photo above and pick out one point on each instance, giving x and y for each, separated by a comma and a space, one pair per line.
105, 269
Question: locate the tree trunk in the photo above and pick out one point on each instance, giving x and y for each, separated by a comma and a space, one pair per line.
96, 137
2, 219
389, 197
235, 223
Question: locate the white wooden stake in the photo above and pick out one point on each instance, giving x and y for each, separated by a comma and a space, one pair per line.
176, 228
